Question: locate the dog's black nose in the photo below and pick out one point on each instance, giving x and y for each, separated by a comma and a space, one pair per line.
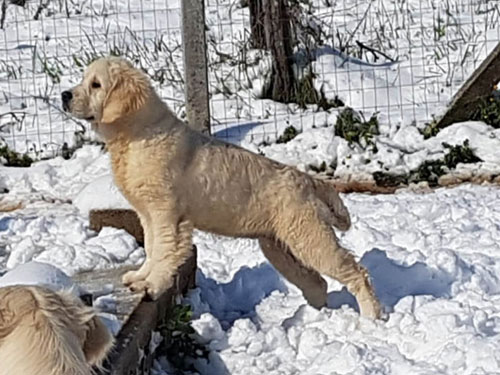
66, 96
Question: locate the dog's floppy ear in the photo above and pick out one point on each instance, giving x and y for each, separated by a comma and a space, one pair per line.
129, 91
98, 341
9, 314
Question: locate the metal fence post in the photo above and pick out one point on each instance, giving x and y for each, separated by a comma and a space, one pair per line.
195, 65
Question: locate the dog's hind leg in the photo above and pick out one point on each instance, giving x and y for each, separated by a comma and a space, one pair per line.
306, 279
312, 241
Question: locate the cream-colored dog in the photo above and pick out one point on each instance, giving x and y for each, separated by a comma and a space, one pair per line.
49, 333
178, 179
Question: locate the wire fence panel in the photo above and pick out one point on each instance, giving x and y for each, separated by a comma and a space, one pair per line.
46, 45
402, 59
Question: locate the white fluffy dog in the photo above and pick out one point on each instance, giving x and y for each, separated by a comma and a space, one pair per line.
49, 333
178, 179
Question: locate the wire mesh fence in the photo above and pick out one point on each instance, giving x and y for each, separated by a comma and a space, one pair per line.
402, 59
46, 45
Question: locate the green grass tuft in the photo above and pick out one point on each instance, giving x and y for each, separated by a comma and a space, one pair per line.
322, 167
289, 134
488, 111
353, 127
306, 93
459, 154
430, 129
179, 345
13, 158
430, 171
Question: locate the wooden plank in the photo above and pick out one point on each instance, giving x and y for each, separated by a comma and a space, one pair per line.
131, 353
479, 86
195, 65
117, 218
95, 281
139, 316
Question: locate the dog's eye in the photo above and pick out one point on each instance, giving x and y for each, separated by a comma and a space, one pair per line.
95, 85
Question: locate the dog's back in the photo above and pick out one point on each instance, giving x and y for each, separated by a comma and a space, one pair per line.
44, 332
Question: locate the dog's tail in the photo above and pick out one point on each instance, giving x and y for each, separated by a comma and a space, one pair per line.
327, 193
40, 332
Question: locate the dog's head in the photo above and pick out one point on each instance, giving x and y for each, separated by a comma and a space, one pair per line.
32, 315
111, 89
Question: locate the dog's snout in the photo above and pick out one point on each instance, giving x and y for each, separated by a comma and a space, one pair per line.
66, 96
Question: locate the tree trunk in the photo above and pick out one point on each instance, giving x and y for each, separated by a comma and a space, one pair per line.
258, 39
272, 17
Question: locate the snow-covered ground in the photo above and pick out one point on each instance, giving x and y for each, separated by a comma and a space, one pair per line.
435, 263
434, 259
404, 151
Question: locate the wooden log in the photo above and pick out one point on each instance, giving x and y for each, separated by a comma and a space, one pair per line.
479, 86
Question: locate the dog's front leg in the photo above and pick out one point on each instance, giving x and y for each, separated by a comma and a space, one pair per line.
172, 247
142, 273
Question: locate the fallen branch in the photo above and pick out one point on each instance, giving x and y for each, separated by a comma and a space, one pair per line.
374, 51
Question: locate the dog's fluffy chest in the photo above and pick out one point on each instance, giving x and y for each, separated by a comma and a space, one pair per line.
140, 171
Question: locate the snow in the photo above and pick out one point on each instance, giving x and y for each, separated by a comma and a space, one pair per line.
434, 259
405, 151
56, 179
43, 274
50, 229
60, 236
102, 193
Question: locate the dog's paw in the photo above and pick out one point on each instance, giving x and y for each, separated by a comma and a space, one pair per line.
139, 286
141, 274
155, 287
132, 277
370, 308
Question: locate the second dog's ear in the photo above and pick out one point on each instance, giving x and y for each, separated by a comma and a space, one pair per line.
9, 311
128, 93
98, 341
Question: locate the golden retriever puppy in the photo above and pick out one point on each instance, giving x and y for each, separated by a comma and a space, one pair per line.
49, 333
178, 179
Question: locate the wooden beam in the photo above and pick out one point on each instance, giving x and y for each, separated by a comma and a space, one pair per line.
131, 354
478, 86
117, 218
